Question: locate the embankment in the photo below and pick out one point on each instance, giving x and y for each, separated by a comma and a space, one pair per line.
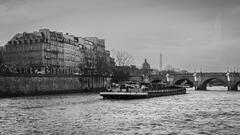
37, 85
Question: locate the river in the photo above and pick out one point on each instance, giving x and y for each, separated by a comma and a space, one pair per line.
197, 112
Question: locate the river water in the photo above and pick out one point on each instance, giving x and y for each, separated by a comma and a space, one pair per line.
198, 112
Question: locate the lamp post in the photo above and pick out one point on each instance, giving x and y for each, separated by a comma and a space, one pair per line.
168, 79
195, 80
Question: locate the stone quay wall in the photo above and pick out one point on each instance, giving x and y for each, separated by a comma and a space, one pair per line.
37, 85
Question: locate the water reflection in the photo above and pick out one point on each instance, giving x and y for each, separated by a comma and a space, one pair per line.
218, 88
198, 112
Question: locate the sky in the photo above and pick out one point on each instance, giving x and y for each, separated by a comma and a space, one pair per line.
190, 34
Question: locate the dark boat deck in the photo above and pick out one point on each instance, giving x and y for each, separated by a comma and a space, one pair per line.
124, 95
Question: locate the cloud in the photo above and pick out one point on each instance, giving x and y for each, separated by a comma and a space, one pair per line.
188, 32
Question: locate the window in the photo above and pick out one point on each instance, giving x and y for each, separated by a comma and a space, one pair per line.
10, 42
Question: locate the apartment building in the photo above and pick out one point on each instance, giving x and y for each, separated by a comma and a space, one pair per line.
44, 51
51, 52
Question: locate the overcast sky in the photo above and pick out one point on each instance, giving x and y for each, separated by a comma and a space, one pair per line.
191, 34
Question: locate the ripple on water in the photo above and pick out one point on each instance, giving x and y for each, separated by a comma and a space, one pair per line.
198, 112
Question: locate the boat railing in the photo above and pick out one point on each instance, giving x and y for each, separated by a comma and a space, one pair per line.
134, 89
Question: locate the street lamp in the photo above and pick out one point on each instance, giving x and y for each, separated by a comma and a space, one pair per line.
195, 79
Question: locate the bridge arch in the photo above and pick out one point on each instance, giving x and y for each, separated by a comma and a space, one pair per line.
235, 85
156, 81
182, 80
208, 80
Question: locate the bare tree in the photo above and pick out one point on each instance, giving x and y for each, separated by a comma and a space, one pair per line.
123, 58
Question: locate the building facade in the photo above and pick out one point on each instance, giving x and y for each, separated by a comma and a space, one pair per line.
98, 63
1, 54
51, 52
103, 61
43, 52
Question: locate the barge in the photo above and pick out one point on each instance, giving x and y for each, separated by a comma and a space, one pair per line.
145, 90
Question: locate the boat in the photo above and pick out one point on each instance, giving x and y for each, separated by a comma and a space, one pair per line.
134, 90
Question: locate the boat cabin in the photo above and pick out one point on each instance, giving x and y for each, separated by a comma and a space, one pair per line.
129, 86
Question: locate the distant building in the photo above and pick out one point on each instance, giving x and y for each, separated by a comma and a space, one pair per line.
171, 68
1, 54
155, 72
145, 65
184, 71
146, 68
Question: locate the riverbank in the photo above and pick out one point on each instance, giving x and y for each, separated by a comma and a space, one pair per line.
11, 86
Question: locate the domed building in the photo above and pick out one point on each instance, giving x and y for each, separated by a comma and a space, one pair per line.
146, 68
146, 65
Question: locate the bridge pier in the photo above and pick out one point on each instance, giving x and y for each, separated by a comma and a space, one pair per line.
200, 88
232, 87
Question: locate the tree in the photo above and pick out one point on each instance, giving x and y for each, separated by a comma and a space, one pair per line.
123, 58
123, 61
102, 66
121, 73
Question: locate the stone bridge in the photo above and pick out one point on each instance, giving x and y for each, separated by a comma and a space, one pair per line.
200, 80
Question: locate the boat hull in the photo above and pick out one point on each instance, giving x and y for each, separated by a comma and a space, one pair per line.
123, 95
137, 95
